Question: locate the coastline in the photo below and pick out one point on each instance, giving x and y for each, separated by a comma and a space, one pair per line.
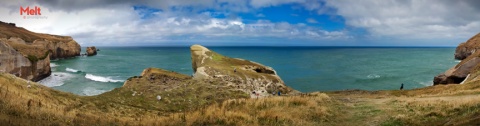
230, 91
305, 77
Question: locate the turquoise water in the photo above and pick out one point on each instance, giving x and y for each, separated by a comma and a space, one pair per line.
303, 68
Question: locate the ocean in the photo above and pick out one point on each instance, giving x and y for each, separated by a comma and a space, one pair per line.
306, 69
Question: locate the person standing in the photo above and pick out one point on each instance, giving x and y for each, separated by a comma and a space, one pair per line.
401, 87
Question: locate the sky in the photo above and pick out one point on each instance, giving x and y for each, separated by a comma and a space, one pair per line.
252, 22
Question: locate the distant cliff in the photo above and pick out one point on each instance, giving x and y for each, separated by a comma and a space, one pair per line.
468, 69
27, 54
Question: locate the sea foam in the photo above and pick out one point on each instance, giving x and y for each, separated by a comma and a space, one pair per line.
53, 65
55, 79
373, 76
71, 70
90, 91
100, 78
426, 83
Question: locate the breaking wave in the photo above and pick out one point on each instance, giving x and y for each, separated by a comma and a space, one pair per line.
426, 83
72, 70
101, 79
53, 65
373, 76
55, 79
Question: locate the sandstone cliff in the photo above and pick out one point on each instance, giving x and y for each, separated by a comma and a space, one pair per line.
248, 76
27, 54
465, 71
30, 67
467, 48
91, 51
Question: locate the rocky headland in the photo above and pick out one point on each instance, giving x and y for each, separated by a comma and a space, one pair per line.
27, 54
248, 76
219, 76
468, 69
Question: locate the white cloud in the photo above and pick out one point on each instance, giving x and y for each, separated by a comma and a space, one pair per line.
120, 24
268, 3
414, 19
311, 20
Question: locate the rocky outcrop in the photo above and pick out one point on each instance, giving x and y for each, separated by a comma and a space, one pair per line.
467, 48
458, 73
27, 54
65, 49
470, 61
248, 76
91, 51
28, 67
216, 77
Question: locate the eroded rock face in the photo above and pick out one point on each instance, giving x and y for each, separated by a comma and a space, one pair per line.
15, 63
458, 73
27, 54
467, 52
248, 76
466, 49
91, 51
65, 49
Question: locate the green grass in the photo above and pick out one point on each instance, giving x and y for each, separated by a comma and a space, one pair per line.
34, 59
392, 122
217, 57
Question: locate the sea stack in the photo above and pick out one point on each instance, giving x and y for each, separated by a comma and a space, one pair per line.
91, 51
467, 70
27, 54
245, 75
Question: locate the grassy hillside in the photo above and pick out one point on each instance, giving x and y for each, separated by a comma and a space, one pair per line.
8, 31
39, 105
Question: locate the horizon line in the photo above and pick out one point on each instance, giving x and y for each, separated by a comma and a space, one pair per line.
281, 46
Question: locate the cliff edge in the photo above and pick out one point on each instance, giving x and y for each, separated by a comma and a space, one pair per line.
27, 54
468, 69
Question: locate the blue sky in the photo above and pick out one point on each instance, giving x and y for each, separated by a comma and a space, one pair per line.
254, 22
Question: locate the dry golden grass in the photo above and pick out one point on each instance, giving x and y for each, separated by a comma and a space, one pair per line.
437, 105
7, 31
450, 110
291, 110
40, 105
33, 52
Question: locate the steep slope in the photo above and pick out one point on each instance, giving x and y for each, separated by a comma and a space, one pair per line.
467, 48
467, 52
27, 54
